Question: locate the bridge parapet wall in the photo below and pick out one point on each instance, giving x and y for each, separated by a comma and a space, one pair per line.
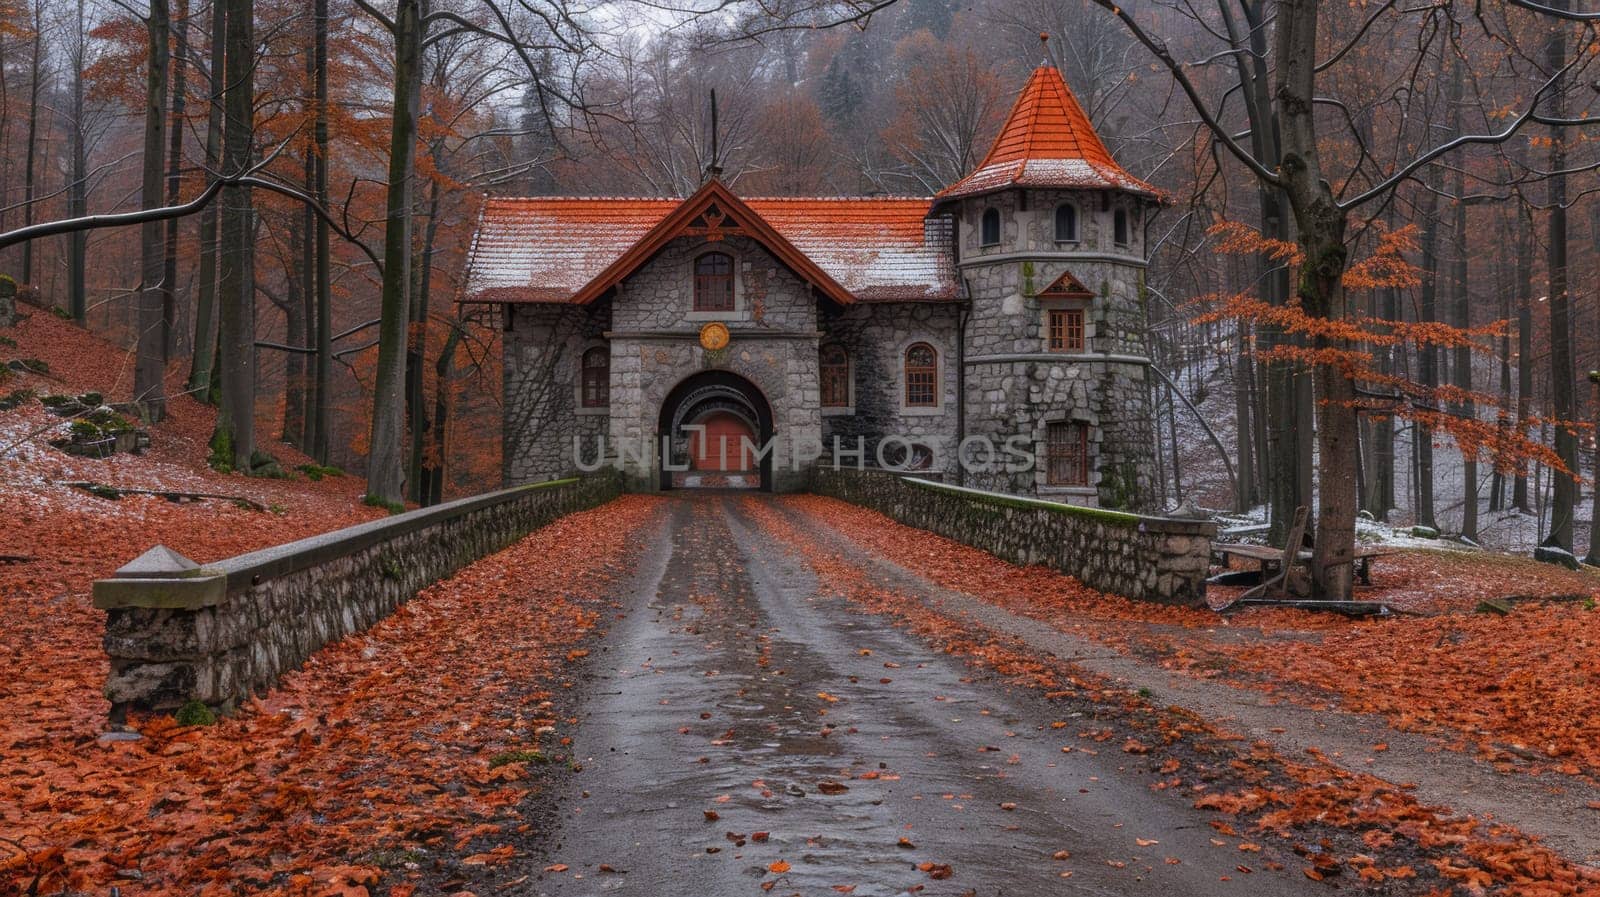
1158, 559
177, 632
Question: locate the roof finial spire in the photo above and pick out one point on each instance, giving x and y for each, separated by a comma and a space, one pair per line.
714, 168
1044, 44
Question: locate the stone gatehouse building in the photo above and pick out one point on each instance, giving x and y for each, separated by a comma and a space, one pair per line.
728, 340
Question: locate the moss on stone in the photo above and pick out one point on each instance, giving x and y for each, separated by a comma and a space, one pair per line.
507, 758
221, 457
195, 713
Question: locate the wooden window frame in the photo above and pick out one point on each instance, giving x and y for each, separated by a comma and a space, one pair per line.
1066, 330
989, 214
922, 379
594, 382
703, 284
1056, 223
1067, 458
830, 377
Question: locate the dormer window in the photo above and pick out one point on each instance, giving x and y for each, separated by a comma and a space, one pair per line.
1066, 223
1119, 227
989, 230
713, 282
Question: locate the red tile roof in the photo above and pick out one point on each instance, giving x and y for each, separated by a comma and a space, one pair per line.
1047, 141
571, 249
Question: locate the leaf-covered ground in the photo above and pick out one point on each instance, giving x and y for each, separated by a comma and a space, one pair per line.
384, 751
1345, 825
1522, 688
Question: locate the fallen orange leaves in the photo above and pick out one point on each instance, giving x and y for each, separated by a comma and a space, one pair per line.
380, 744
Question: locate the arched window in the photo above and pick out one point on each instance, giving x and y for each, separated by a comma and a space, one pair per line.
989, 232
1066, 223
835, 376
1067, 454
1119, 227
596, 378
713, 282
922, 376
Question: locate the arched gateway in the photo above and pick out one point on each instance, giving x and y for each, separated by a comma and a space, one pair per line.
717, 422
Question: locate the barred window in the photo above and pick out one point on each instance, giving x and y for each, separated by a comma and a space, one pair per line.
596, 378
835, 375
922, 376
713, 282
1067, 454
1066, 329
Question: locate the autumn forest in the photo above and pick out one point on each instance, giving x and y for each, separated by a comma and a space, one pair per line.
238, 343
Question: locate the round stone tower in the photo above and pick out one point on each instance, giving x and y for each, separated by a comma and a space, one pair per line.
1051, 244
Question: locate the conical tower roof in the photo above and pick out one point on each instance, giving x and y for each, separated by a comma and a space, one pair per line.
1047, 141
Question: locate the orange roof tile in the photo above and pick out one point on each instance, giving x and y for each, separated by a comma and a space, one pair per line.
566, 249
1047, 141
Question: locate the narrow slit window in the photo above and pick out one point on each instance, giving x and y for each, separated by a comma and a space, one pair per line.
1119, 227
596, 380
1066, 223
835, 376
990, 231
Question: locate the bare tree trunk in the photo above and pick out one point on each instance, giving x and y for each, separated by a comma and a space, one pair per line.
179, 90
441, 411
234, 440
386, 465
293, 428
1462, 311
1524, 282
202, 366
420, 472
1503, 284
35, 71
306, 244
321, 438
1427, 354
149, 367
1593, 557
78, 190
1284, 462
1320, 226
1562, 393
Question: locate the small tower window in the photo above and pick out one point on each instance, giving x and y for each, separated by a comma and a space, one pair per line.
835, 375
922, 376
989, 232
1067, 454
596, 378
1066, 223
713, 282
1119, 227
1066, 329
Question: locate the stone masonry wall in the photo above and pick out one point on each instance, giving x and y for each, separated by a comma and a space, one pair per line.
232, 629
876, 336
543, 348
1017, 387
1149, 558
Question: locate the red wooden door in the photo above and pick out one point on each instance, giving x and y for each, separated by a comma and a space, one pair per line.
706, 449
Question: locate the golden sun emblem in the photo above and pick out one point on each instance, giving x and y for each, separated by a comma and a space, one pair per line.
714, 336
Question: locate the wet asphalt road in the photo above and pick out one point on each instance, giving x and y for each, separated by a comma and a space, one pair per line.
732, 687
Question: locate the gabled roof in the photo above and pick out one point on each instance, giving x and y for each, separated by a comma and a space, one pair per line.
1047, 141
574, 249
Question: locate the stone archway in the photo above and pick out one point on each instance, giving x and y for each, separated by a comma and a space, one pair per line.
706, 418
